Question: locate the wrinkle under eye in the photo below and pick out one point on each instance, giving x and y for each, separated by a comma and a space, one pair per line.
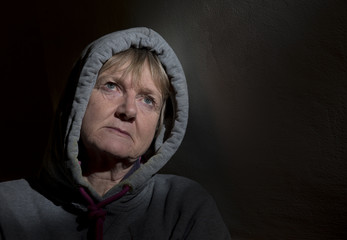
150, 103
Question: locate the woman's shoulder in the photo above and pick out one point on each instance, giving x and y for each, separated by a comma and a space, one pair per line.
194, 207
18, 191
181, 186
174, 179
14, 186
15, 194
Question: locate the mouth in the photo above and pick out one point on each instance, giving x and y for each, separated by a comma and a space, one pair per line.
119, 131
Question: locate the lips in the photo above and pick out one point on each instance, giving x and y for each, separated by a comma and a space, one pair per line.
119, 131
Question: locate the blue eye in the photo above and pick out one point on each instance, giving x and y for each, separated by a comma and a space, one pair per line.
148, 100
111, 85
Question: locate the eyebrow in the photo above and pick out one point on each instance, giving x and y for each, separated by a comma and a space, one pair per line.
111, 77
141, 88
149, 91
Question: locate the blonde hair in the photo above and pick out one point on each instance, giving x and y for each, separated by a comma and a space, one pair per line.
134, 60
55, 150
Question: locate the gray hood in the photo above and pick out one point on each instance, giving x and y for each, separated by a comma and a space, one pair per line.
61, 162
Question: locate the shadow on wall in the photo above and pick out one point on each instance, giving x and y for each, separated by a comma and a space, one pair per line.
25, 99
268, 95
40, 45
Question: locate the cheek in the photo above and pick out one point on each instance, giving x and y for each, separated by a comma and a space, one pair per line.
97, 108
150, 127
90, 116
87, 124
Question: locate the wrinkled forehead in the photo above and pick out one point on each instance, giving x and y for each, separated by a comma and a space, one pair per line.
141, 78
142, 75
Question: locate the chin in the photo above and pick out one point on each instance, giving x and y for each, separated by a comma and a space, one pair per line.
120, 152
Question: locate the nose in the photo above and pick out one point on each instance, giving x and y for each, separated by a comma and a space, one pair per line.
127, 109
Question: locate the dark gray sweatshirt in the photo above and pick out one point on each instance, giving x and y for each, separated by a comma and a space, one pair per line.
61, 204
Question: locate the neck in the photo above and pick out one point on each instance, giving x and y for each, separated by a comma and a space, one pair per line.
103, 181
103, 173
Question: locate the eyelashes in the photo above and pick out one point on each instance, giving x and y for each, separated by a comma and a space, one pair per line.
112, 88
111, 85
149, 100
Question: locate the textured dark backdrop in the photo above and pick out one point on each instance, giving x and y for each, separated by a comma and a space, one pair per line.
268, 92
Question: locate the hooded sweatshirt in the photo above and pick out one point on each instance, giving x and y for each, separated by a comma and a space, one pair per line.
61, 204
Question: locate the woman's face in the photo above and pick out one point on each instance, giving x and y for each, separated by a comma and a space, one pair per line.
121, 117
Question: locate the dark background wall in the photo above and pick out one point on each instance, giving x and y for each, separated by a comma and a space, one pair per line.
268, 92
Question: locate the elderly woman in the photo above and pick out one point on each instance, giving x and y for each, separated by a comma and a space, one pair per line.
121, 119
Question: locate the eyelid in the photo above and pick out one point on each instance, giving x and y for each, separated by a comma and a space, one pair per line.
154, 102
150, 96
102, 81
105, 79
114, 82
111, 82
